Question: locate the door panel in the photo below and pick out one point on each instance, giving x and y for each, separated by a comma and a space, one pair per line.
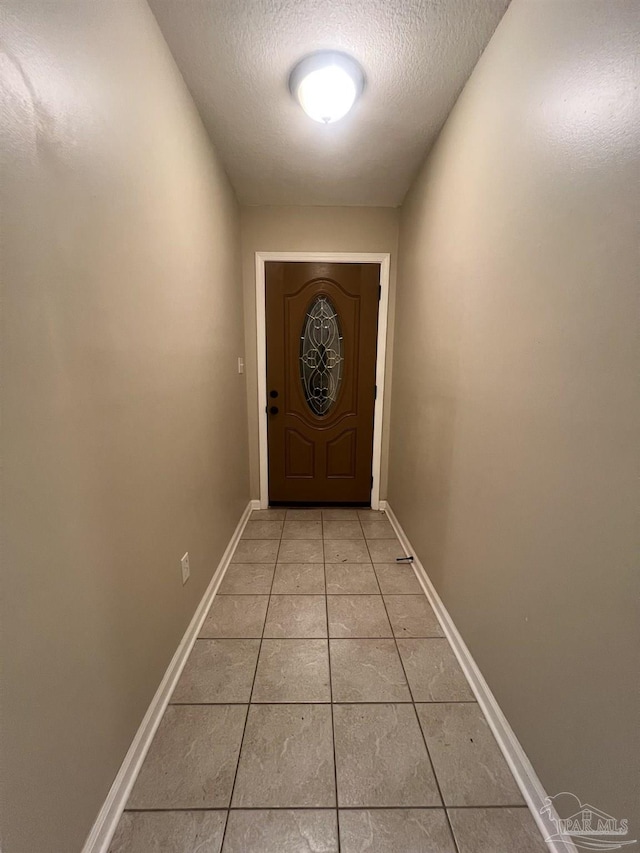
299, 456
322, 324
341, 455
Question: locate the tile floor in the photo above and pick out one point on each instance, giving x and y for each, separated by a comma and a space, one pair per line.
322, 711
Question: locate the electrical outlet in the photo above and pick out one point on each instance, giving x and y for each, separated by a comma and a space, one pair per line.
240, 365
184, 562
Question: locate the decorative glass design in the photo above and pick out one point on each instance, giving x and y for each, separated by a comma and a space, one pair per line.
321, 356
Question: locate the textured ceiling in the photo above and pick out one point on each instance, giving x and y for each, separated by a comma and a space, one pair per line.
236, 56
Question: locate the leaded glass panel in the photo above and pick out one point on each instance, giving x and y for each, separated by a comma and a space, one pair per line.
321, 355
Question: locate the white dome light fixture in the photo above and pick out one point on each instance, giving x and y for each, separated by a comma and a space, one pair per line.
326, 85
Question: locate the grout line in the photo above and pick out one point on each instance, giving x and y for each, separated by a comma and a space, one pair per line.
417, 719
255, 672
333, 729
333, 808
375, 574
227, 814
369, 637
334, 701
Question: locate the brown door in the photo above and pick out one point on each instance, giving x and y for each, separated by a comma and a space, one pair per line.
322, 324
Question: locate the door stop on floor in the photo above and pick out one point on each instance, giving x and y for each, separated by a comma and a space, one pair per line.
404, 559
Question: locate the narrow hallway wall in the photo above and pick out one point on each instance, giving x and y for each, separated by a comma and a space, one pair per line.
515, 417
125, 437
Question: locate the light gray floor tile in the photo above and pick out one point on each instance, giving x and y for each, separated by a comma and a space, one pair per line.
287, 758
351, 578
299, 616
301, 551
339, 514
262, 529
433, 672
470, 768
378, 529
169, 832
268, 515
385, 550
256, 551
300, 578
218, 671
367, 671
192, 759
342, 530
302, 530
346, 551
235, 616
381, 757
292, 671
304, 515
357, 616
496, 830
397, 578
282, 831
247, 578
396, 831
412, 616
369, 515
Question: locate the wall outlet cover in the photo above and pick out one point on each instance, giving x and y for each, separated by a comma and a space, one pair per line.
184, 563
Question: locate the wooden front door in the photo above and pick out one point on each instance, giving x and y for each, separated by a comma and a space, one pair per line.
322, 325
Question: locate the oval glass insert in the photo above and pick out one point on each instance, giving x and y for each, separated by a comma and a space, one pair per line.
321, 356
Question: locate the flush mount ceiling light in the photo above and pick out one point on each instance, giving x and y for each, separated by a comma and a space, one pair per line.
326, 85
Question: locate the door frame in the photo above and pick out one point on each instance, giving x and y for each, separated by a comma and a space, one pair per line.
384, 260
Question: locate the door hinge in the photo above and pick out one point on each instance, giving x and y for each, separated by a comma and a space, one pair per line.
372, 481
379, 292
375, 392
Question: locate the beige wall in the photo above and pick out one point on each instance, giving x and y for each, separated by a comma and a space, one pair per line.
514, 428
312, 229
122, 324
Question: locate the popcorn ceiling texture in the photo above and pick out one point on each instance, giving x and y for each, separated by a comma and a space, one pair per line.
236, 55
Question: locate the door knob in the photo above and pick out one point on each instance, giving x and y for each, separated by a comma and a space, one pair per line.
273, 393
274, 410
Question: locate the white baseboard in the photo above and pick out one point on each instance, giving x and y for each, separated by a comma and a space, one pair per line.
254, 504
522, 769
105, 825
